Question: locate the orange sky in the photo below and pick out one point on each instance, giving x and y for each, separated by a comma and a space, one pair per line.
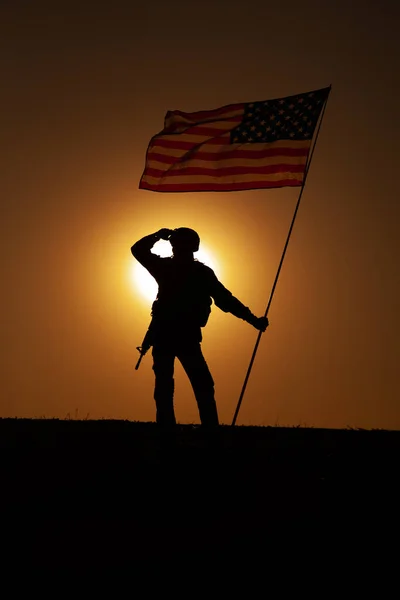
83, 90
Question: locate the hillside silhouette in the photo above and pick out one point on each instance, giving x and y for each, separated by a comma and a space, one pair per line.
90, 485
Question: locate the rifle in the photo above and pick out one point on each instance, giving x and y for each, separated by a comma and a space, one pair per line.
146, 344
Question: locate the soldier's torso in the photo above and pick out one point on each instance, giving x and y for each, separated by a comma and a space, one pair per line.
183, 302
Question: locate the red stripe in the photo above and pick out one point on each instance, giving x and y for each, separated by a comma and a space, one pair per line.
216, 156
203, 130
206, 114
222, 187
265, 170
164, 142
189, 128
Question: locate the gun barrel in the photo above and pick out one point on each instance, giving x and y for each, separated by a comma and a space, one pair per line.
146, 345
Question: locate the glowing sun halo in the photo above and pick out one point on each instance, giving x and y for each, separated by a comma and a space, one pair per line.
147, 285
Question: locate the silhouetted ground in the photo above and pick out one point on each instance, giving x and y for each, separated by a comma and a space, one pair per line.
89, 488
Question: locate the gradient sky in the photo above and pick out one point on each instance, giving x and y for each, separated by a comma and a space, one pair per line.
84, 87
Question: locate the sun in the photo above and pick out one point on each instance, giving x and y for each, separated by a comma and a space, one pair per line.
147, 285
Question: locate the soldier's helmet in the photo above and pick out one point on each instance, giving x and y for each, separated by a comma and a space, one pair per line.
185, 238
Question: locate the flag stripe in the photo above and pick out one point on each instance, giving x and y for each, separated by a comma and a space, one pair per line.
210, 131
227, 171
221, 148
207, 178
186, 126
233, 153
202, 115
288, 163
163, 170
219, 187
176, 144
187, 142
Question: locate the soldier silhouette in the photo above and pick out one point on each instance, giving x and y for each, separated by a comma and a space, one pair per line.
186, 288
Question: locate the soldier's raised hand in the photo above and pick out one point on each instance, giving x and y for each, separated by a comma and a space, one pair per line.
164, 233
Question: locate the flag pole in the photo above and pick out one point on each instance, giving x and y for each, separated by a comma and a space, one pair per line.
281, 261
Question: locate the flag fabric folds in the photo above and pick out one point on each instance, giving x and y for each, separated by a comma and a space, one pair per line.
236, 147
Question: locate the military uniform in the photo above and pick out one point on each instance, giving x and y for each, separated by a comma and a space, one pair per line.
182, 308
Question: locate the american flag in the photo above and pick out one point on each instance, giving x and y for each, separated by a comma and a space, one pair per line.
236, 147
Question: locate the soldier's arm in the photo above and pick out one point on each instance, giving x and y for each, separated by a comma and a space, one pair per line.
227, 302
141, 250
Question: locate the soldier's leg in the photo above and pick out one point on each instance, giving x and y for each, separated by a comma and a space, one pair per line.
197, 370
163, 367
